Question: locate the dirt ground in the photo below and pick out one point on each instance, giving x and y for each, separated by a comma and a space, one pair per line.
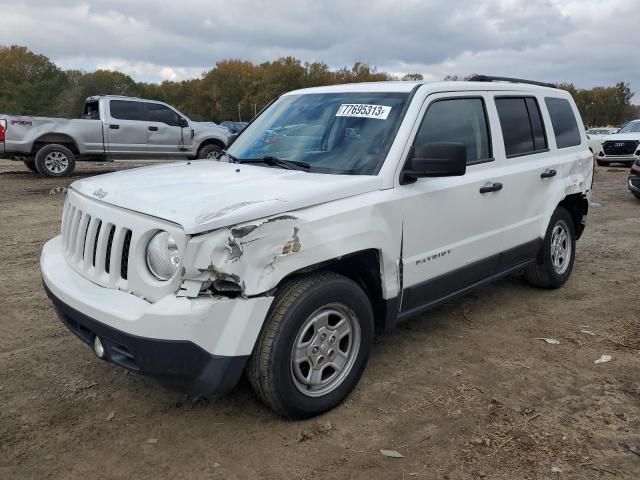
464, 391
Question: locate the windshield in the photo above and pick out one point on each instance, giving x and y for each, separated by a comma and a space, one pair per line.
344, 133
631, 127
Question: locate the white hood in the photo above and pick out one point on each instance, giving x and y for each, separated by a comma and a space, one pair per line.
616, 137
204, 195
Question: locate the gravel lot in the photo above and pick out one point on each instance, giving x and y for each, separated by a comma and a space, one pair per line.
464, 391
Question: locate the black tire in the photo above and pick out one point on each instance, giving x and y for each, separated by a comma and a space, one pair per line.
55, 160
210, 151
603, 163
636, 194
30, 163
543, 273
270, 369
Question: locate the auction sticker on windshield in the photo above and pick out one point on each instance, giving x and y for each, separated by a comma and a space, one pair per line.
360, 110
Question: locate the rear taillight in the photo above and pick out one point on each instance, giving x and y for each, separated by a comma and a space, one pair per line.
3, 128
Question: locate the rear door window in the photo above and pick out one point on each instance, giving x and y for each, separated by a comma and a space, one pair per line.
522, 126
127, 110
564, 122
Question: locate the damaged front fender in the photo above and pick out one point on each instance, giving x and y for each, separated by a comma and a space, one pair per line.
241, 258
251, 258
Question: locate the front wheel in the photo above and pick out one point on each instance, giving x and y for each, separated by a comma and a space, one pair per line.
554, 262
55, 161
314, 345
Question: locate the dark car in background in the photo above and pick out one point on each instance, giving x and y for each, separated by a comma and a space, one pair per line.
634, 179
234, 128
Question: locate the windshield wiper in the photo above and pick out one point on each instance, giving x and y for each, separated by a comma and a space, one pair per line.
278, 162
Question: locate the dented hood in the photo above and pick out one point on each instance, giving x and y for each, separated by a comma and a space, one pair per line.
205, 195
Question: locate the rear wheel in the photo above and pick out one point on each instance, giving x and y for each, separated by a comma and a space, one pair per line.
55, 161
554, 262
209, 152
314, 346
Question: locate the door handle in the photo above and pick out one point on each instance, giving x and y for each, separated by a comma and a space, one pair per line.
494, 187
548, 173
153, 129
114, 127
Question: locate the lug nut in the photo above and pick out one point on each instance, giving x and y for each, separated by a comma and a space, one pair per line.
315, 349
323, 337
320, 360
332, 340
331, 353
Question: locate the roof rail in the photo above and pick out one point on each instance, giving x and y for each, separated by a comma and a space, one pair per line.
487, 78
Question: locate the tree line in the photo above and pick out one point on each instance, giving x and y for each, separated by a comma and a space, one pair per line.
31, 84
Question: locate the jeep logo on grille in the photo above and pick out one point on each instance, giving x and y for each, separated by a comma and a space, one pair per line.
100, 193
618, 144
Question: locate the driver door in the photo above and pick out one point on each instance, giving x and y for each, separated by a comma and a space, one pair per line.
452, 231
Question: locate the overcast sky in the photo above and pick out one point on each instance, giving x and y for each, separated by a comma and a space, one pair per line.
588, 42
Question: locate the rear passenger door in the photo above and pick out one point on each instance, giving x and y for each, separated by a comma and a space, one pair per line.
126, 128
528, 169
165, 135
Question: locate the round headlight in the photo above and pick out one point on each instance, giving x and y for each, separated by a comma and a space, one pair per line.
163, 256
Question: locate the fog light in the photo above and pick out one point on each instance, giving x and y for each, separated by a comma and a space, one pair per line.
98, 348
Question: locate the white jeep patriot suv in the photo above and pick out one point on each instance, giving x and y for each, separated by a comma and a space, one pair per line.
338, 212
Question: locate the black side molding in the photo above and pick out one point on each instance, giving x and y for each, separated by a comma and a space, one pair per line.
443, 288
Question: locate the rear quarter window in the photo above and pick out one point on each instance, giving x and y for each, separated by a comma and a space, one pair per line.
563, 120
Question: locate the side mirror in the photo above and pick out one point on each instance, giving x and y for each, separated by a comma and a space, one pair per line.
183, 122
436, 160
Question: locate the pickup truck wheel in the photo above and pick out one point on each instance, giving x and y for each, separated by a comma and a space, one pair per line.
30, 163
55, 161
554, 262
209, 152
314, 345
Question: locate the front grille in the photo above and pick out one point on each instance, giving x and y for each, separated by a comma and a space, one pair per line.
105, 244
95, 246
619, 147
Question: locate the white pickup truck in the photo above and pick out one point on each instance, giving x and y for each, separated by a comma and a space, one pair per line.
111, 127
339, 211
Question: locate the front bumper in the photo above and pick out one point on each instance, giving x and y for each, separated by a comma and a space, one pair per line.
179, 365
197, 345
617, 158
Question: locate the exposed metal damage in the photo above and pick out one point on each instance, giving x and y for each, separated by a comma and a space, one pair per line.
249, 251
